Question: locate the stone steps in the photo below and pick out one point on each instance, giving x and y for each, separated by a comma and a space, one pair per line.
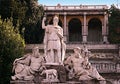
71, 46
67, 82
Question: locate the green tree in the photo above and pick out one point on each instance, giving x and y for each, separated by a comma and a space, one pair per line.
11, 47
114, 25
32, 22
14, 8
5, 11
28, 13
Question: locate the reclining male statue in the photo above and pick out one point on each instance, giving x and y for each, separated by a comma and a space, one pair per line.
80, 68
26, 66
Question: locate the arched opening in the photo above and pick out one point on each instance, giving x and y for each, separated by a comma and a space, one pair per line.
75, 30
59, 23
95, 30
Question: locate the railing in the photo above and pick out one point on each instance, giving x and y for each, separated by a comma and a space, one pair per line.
107, 67
73, 7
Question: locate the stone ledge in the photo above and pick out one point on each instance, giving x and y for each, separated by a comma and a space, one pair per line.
21, 82
67, 82
71, 46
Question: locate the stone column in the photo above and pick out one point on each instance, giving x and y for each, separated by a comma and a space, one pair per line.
104, 29
67, 33
65, 28
84, 30
107, 24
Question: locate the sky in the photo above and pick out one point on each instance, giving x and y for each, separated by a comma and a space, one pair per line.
78, 2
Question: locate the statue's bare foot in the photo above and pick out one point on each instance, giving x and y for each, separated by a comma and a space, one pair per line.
13, 77
101, 78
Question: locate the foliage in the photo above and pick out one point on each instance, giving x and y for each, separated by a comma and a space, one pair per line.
13, 8
32, 23
5, 11
114, 25
28, 13
11, 47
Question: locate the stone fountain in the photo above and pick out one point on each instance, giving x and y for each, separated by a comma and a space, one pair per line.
54, 66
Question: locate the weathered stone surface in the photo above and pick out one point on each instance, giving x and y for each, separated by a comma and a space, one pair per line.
67, 82
83, 82
21, 82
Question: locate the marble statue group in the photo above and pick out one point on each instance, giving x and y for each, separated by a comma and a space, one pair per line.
77, 65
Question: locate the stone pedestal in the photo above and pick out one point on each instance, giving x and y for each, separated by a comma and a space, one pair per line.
21, 82
105, 39
84, 39
86, 82
67, 82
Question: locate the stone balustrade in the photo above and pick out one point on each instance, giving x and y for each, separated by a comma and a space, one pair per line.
118, 68
107, 67
74, 7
